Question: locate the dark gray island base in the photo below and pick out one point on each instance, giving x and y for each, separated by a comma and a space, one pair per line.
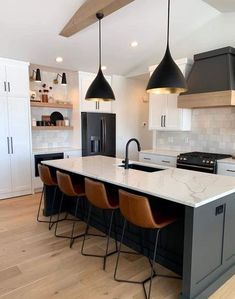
200, 246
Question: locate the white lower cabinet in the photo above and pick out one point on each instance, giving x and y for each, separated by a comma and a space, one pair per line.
70, 154
158, 159
226, 169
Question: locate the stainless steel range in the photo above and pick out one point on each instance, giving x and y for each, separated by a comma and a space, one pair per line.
199, 161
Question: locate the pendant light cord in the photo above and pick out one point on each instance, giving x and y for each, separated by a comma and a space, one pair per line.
168, 24
99, 43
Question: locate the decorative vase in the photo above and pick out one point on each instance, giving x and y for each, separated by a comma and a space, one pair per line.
44, 98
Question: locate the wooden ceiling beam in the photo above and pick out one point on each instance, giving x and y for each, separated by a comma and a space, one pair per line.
86, 14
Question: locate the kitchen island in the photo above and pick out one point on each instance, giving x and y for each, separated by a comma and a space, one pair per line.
201, 245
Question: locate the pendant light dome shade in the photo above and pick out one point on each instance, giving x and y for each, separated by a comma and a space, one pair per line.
100, 90
167, 77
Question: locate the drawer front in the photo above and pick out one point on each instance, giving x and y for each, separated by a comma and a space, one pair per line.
226, 169
158, 159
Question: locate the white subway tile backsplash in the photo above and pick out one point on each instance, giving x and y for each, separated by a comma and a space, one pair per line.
213, 130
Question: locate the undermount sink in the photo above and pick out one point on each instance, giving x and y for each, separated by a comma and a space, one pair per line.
142, 167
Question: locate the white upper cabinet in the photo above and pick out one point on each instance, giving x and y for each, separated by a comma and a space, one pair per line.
163, 112
17, 80
3, 81
14, 78
85, 80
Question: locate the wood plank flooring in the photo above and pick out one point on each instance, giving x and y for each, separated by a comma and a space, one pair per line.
34, 264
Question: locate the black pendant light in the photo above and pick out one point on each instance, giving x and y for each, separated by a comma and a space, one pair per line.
167, 77
100, 90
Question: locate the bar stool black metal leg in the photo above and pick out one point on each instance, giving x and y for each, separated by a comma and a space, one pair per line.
39, 208
108, 238
58, 216
74, 222
152, 267
115, 230
87, 228
119, 251
53, 203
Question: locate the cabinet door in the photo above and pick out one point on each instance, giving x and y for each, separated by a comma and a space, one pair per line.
5, 162
17, 80
19, 128
173, 117
3, 81
106, 106
85, 80
157, 109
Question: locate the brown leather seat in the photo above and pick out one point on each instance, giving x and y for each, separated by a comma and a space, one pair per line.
45, 175
136, 209
101, 198
66, 186
105, 199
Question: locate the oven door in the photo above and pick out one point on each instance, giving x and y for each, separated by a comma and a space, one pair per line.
207, 169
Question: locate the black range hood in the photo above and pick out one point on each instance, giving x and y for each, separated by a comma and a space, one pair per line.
211, 82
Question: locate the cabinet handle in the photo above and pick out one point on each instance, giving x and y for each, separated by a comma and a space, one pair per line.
161, 120
96, 105
5, 86
8, 145
149, 159
230, 170
164, 120
165, 161
12, 145
9, 86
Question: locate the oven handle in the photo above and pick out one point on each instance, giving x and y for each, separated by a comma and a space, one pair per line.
195, 166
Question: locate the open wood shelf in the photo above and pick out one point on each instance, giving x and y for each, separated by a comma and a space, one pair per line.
40, 128
51, 105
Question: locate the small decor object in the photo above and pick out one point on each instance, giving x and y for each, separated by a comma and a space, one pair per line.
167, 77
34, 122
33, 96
45, 91
100, 90
66, 122
56, 116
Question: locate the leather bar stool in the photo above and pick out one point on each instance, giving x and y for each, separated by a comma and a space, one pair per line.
50, 181
137, 211
67, 188
101, 198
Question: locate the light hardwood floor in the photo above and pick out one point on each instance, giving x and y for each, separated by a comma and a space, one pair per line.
34, 264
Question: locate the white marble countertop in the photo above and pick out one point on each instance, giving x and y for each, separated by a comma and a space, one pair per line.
227, 160
52, 150
162, 152
186, 187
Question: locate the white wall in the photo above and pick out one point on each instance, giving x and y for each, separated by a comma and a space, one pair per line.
131, 111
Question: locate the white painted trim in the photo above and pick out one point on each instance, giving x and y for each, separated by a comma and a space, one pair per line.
13, 61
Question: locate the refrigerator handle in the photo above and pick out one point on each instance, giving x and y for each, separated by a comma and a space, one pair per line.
102, 135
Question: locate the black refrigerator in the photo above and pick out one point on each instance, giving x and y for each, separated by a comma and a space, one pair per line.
98, 134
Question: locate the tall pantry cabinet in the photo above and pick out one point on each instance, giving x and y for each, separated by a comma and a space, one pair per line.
15, 135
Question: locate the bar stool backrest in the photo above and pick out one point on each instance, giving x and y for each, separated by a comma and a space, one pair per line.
45, 175
136, 209
96, 194
65, 184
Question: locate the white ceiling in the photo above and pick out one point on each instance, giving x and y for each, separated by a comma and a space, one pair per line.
29, 30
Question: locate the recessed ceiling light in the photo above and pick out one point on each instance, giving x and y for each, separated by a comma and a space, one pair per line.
104, 67
134, 44
59, 59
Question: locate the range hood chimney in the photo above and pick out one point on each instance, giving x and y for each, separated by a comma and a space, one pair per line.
211, 82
